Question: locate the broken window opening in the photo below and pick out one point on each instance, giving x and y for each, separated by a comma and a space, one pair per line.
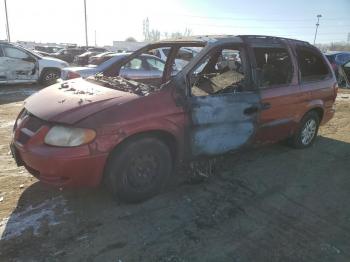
222, 71
274, 66
311, 64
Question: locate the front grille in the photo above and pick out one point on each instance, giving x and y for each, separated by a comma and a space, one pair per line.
31, 125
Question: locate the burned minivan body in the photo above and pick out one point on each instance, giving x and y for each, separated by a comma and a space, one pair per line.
238, 91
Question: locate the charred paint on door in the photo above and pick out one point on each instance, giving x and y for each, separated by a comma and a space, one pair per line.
223, 123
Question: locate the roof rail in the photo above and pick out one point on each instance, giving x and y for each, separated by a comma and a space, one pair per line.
272, 37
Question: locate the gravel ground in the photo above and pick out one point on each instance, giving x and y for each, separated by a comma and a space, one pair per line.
269, 204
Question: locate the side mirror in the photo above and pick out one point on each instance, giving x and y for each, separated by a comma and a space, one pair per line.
29, 59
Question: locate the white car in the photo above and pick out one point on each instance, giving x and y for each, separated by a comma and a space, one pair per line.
19, 65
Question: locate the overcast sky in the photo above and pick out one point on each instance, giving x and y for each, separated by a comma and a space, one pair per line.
63, 21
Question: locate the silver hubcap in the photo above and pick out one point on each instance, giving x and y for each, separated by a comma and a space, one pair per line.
51, 76
308, 132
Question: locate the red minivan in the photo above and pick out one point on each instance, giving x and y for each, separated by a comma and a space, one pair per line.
237, 91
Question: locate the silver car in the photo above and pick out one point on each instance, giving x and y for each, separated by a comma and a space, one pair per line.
142, 67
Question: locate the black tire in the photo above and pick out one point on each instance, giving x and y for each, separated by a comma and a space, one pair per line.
139, 169
49, 76
310, 119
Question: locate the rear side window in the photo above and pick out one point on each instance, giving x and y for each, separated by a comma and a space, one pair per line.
135, 64
154, 64
311, 65
274, 65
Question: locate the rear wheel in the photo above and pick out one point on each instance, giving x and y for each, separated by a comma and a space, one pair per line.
139, 169
307, 131
49, 77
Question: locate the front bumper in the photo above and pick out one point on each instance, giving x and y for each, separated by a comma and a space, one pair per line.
57, 166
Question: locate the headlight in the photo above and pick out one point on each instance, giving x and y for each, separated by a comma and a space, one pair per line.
69, 136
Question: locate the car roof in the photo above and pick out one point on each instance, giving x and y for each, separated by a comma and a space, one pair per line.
225, 38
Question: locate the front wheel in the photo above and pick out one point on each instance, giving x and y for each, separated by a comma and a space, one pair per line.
139, 169
307, 131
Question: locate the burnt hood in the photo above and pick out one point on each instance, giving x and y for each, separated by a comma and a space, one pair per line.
74, 100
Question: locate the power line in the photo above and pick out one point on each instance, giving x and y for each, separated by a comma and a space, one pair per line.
281, 27
256, 19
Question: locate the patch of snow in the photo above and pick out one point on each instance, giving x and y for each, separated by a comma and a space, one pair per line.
32, 218
4, 124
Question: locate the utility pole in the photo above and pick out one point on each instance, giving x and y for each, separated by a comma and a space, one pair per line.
86, 30
317, 25
7, 24
95, 39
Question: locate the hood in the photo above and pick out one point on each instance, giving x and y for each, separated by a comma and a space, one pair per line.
53, 59
71, 101
83, 71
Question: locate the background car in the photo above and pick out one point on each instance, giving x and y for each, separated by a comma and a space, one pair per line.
336, 59
83, 59
68, 54
48, 49
344, 75
99, 58
144, 66
19, 65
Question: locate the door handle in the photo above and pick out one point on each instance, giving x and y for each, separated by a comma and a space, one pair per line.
251, 110
265, 106
254, 109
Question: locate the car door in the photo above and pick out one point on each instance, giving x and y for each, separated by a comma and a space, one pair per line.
281, 96
20, 65
145, 69
154, 70
223, 104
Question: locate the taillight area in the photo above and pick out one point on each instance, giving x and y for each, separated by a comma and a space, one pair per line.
335, 89
72, 75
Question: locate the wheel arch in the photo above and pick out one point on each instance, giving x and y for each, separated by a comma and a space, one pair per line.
319, 110
166, 137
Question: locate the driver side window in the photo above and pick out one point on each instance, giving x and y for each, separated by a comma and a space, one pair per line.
14, 53
222, 71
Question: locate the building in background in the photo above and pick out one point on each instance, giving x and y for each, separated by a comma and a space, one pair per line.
127, 46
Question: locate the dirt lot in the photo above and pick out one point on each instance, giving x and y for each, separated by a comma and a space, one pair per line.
270, 204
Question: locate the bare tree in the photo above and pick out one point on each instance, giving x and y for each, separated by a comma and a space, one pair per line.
154, 35
130, 39
186, 33
150, 35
